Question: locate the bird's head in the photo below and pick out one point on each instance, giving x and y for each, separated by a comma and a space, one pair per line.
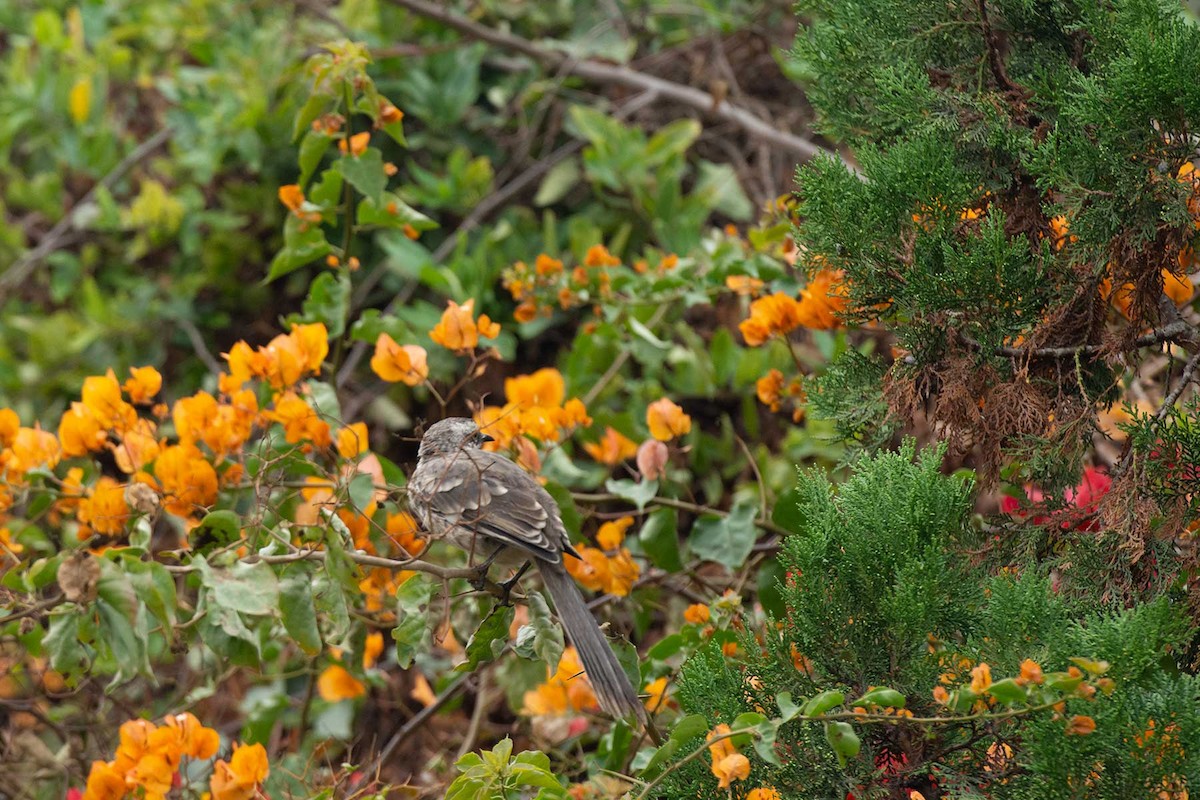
451, 435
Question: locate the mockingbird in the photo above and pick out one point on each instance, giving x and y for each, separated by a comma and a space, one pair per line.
485, 504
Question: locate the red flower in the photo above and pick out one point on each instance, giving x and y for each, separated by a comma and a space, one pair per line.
1081, 502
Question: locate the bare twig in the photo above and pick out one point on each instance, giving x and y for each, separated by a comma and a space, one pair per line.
23, 267
197, 340
623, 76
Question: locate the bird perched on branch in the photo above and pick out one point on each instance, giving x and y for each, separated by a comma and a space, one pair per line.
485, 504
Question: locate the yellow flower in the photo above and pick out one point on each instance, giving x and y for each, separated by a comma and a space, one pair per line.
697, 614
667, 420
402, 530
352, 440
544, 388
300, 421
335, 684
7, 546
457, 330
394, 362
144, 384
79, 100
728, 764
612, 449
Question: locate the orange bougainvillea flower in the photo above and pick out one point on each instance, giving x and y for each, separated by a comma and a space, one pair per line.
300, 421
372, 649
728, 764
1031, 672
104, 510
194, 740
389, 114
458, 330
765, 793
656, 695
10, 423
335, 684
352, 440
600, 572
292, 197
544, 388
240, 778
774, 315
770, 388
744, 285
666, 420
283, 361
104, 782
697, 614
566, 690
598, 256
546, 266
612, 449
822, 300
534, 409
1080, 725
80, 432
32, 448
611, 534
356, 145
102, 396
189, 482
144, 384
981, 678
395, 362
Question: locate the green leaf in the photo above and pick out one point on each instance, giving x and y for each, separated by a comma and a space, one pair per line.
1008, 691
365, 173
298, 611
67, 654
412, 600
831, 698
540, 638
156, 589
561, 178
312, 147
660, 539
666, 647
362, 490
489, 639
788, 709
888, 698
786, 513
328, 301
684, 732
725, 540
391, 212
843, 740
223, 527
303, 243
638, 493
246, 588
670, 140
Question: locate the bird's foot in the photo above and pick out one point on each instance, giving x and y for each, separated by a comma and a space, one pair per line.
507, 586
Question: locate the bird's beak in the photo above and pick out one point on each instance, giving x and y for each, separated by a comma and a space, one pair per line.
484, 438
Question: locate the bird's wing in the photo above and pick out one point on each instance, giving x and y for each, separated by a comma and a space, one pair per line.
488, 495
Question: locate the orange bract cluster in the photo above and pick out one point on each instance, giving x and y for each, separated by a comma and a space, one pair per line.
728, 764
405, 363
547, 284
779, 314
536, 408
566, 690
666, 420
149, 756
458, 330
601, 572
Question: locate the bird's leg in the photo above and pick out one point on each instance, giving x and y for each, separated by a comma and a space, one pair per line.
480, 579
508, 585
